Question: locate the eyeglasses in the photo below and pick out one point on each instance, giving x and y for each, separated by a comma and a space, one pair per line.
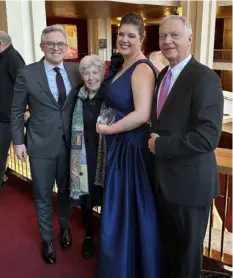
52, 45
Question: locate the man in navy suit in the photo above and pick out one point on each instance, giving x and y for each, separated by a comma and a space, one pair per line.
186, 128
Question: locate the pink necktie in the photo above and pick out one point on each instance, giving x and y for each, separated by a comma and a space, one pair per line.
164, 91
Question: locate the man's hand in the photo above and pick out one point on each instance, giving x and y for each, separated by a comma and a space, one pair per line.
26, 116
21, 152
151, 142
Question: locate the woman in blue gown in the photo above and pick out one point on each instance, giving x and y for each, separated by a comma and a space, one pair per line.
129, 234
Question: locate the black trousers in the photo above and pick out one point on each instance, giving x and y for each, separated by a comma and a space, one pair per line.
87, 220
44, 174
5, 140
183, 233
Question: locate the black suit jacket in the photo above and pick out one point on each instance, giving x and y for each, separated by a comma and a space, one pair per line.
48, 122
10, 62
189, 127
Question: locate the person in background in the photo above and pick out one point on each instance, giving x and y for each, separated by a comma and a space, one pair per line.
49, 89
10, 62
129, 233
115, 64
186, 127
84, 191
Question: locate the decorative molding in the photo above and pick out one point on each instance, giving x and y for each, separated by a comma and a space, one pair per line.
224, 3
150, 2
222, 66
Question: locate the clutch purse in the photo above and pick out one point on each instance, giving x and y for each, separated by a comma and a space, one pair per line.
107, 116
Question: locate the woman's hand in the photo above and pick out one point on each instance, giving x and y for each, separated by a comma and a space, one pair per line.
103, 129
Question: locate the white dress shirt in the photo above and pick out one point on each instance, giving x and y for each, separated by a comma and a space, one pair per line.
176, 70
51, 76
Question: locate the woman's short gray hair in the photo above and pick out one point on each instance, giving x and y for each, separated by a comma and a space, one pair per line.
50, 29
92, 60
183, 19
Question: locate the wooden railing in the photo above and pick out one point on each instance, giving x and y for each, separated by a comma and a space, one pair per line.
23, 170
219, 238
223, 55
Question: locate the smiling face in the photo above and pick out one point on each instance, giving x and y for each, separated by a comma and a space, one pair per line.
92, 78
54, 47
128, 40
174, 41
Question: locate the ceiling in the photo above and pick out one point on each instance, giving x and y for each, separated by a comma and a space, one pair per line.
224, 12
152, 14
112, 9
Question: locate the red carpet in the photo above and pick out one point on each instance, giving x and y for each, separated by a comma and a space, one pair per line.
20, 242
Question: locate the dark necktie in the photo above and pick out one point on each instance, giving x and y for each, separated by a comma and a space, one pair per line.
61, 87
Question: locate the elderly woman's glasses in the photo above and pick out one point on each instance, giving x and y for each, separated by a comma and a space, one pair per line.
52, 45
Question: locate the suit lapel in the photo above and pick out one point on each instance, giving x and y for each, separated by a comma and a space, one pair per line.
43, 80
73, 77
178, 86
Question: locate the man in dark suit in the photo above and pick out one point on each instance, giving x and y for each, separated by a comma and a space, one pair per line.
10, 62
49, 88
186, 128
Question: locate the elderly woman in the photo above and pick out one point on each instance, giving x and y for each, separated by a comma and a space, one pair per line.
85, 146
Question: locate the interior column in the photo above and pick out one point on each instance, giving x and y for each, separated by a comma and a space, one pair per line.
25, 22
202, 16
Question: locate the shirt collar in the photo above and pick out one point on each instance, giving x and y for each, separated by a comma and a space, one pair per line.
49, 67
176, 70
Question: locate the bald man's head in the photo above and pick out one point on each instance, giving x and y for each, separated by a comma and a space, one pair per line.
5, 41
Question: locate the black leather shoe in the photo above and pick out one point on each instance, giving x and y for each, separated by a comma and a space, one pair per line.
48, 253
2, 184
87, 247
65, 238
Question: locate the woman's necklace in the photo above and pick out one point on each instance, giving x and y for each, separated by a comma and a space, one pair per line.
129, 63
126, 65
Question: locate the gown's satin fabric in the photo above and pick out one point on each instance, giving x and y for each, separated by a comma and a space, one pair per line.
129, 235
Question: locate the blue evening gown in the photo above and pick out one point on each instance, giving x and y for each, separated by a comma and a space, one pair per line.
129, 234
